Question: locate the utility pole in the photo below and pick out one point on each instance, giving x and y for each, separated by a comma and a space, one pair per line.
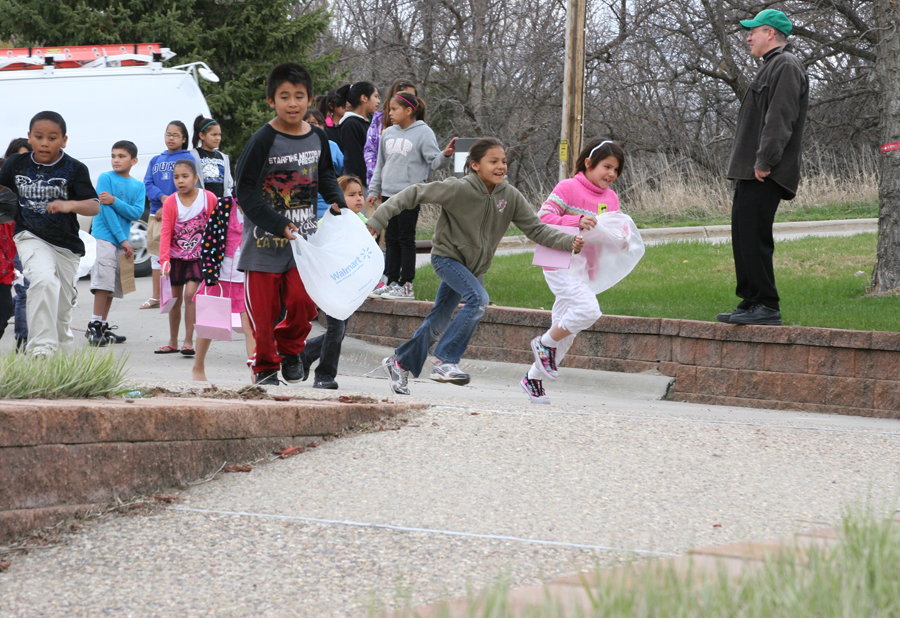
572, 132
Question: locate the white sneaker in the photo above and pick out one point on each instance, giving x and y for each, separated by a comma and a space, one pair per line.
380, 288
449, 372
398, 376
401, 292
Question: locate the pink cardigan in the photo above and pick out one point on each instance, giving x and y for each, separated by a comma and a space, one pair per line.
170, 216
575, 197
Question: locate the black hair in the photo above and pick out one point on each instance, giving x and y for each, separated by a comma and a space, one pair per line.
396, 86
52, 117
184, 133
333, 99
479, 149
129, 147
316, 114
353, 93
201, 124
189, 162
2, 161
16, 145
288, 72
410, 101
608, 149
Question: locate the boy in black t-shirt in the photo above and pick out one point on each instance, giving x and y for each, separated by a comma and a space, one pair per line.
281, 170
52, 188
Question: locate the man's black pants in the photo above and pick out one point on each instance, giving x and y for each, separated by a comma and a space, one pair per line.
752, 217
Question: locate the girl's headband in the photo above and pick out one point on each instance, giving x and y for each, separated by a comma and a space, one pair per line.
203, 128
399, 95
591, 156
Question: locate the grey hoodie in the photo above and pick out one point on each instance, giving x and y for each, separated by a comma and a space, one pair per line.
404, 158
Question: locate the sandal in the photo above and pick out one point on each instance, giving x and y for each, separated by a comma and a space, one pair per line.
166, 349
187, 350
150, 303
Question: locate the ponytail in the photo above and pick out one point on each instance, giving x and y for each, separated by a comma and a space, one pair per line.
201, 124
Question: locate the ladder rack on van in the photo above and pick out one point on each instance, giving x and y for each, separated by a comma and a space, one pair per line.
83, 56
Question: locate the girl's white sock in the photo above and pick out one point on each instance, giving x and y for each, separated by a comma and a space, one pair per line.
548, 341
534, 373
96, 318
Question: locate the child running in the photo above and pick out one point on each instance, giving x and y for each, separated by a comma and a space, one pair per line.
121, 204
326, 348
213, 166
218, 260
476, 211
407, 152
184, 217
574, 202
52, 189
282, 168
159, 185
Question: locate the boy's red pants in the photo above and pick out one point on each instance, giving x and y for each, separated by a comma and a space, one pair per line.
264, 293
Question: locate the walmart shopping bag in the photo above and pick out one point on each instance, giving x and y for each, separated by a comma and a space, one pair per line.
612, 249
339, 264
213, 316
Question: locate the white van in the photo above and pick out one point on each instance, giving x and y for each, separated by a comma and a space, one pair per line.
105, 94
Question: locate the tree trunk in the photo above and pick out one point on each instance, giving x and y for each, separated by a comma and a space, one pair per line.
886, 276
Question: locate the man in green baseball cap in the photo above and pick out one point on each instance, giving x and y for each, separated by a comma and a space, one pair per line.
764, 166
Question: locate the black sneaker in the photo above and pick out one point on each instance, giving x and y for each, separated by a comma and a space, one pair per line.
326, 384
112, 337
267, 377
96, 334
726, 317
292, 370
758, 314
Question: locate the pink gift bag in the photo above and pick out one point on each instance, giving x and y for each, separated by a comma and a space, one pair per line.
166, 300
554, 258
213, 316
237, 326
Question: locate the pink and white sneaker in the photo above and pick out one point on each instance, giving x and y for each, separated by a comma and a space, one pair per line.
534, 389
545, 358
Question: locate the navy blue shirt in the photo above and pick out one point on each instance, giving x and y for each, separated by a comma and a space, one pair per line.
37, 185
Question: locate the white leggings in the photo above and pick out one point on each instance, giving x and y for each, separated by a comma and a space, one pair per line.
575, 308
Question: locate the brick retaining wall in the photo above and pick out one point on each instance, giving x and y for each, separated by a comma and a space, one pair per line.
61, 458
776, 367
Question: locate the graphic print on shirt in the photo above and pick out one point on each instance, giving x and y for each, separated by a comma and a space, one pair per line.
293, 193
398, 145
165, 167
212, 170
187, 239
35, 194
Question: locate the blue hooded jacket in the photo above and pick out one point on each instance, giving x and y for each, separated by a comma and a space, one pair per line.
158, 179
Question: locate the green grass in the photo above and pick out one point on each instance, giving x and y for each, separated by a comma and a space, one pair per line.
687, 218
821, 212
857, 578
817, 280
85, 372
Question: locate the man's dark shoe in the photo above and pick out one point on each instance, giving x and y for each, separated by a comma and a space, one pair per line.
292, 370
726, 317
267, 377
758, 314
327, 384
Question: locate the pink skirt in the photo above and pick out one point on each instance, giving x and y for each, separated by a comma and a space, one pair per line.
234, 291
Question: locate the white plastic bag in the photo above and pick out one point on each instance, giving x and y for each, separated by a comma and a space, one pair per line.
86, 263
339, 264
612, 249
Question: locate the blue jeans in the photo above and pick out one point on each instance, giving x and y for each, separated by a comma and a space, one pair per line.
21, 326
457, 282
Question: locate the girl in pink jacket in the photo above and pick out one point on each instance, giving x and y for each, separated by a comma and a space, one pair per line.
184, 218
574, 202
